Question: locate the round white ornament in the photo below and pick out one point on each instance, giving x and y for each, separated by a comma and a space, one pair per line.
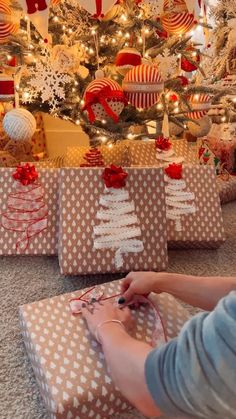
19, 124
202, 127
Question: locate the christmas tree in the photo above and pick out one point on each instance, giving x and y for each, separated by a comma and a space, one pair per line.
107, 69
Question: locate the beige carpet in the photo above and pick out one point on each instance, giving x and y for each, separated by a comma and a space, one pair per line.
28, 279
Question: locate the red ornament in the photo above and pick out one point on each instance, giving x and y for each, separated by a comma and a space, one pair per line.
93, 158
114, 177
200, 105
183, 80
174, 171
7, 90
186, 65
35, 5
104, 98
176, 19
126, 59
163, 143
201, 151
12, 62
7, 24
25, 174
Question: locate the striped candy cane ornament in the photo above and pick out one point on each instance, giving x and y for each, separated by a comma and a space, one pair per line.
200, 104
7, 25
176, 19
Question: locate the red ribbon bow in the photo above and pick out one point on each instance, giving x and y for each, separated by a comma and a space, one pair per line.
114, 177
25, 174
174, 171
91, 98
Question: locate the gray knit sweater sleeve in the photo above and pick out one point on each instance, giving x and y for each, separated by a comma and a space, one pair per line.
194, 375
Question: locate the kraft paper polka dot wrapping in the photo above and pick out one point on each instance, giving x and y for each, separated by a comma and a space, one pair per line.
205, 227
80, 192
143, 153
118, 154
68, 363
45, 242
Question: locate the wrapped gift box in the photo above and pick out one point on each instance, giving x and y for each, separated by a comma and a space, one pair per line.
227, 188
204, 228
68, 363
80, 192
45, 242
118, 154
143, 153
222, 141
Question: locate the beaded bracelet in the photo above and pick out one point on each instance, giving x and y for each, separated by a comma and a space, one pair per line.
105, 322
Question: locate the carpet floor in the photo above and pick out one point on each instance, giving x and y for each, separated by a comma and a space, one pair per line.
26, 279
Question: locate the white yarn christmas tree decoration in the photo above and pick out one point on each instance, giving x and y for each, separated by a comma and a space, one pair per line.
178, 201
118, 228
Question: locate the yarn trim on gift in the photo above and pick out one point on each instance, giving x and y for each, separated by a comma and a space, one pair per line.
119, 225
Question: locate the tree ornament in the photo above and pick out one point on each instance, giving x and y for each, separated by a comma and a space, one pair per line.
38, 13
26, 210
8, 25
7, 90
200, 104
99, 74
97, 8
93, 158
167, 64
183, 80
142, 86
161, 32
119, 225
104, 98
202, 128
178, 201
126, 59
19, 124
176, 19
187, 65
165, 151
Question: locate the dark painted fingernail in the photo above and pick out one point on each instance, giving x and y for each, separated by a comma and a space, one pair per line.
121, 300
83, 305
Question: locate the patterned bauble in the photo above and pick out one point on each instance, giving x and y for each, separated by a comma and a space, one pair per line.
142, 86
104, 98
126, 59
7, 24
202, 128
19, 124
7, 91
190, 66
176, 19
200, 104
161, 33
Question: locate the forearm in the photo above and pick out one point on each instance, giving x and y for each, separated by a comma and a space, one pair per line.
203, 292
126, 358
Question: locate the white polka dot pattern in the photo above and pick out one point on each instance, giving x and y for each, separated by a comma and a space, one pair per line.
80, 190
143, 153
205, 227
119, 155
68, 363
44, 243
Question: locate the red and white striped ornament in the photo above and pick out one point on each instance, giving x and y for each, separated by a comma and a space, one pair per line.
7, 90
142, 86
104, 98
200, 104
176, 19
7, 25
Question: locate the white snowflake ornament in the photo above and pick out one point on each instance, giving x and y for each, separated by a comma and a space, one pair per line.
167, 64
48, 80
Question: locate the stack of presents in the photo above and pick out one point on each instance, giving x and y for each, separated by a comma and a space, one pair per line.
107, 210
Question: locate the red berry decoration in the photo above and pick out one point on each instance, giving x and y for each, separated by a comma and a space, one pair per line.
173, 97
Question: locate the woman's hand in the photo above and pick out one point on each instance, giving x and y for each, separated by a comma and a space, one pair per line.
99, 312
139, 283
